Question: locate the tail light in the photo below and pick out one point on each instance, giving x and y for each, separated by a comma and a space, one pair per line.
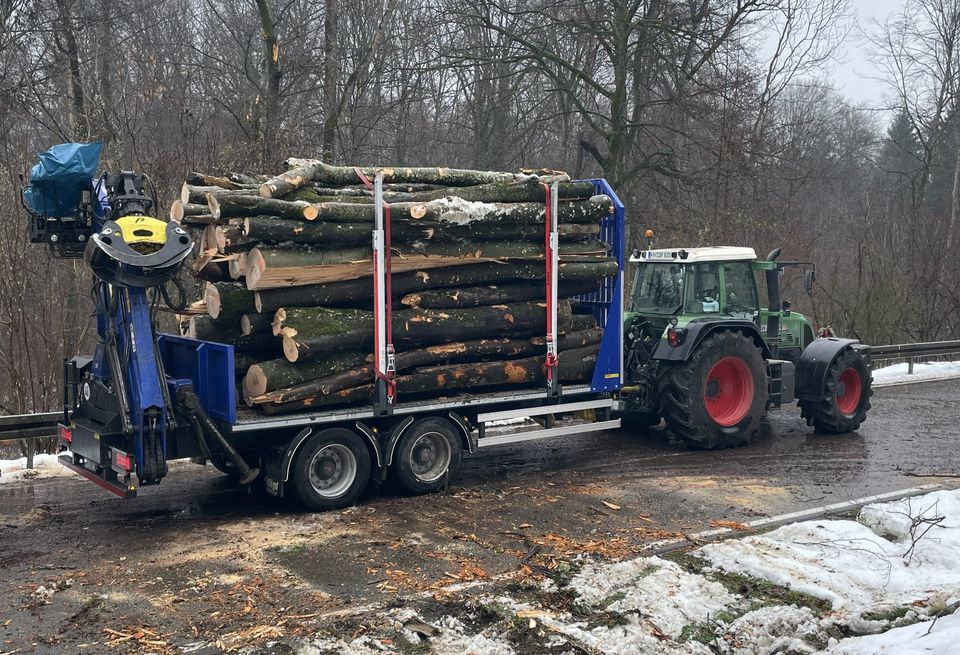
673, 337
65, 433
122, 462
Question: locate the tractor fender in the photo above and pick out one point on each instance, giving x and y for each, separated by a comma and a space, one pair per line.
695, 331
815, 361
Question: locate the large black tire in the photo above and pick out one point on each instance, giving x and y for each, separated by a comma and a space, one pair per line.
845, 397
717, 398
428, 457
331, 470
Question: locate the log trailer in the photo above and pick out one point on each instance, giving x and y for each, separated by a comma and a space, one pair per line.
143, 399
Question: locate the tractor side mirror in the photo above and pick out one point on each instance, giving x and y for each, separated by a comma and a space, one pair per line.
786, 308
808, 279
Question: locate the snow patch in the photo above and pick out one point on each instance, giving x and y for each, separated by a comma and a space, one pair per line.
848, 564
657, 589
926, 638
44, 466
777, 629
453, 639
897, 373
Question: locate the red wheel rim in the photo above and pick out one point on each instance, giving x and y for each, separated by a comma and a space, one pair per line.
728, 393
849, 391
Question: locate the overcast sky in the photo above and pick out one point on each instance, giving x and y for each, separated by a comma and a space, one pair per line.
852, 74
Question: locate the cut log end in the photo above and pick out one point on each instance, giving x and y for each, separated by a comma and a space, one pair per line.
214, 205
266, 191
310, 213
253, 268
258, 302
176, 211
246, 327
278, 320
254, 383
290, 349
237, 265
185, 193
211, 296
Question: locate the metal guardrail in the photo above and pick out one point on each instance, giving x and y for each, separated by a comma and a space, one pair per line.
29, 426
35, 426
913, 352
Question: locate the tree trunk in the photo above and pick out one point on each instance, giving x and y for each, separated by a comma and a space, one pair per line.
251, 323
513, 191
227, 299
580, 322
279, 373
269, 268
462, 212
577, 366
316, 321
228, 332
359, 290
345, 175
311, 337
278, 230
198, 194
229, 206
300, 172
456, 297
202, 179
180, 209
447, 352
231, 238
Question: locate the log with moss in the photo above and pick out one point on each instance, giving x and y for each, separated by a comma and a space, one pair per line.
270, 229
228, 332
577, 366
279, 373
228, 299
359, 290
492, 294
314, 332
446, 352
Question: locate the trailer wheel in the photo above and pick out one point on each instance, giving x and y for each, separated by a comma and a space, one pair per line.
331, 470
717, 397
845, 397
428, 456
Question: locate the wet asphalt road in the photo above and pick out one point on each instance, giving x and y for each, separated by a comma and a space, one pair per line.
154, 561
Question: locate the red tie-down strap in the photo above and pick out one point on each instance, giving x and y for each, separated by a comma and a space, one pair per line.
363, 178
551, 361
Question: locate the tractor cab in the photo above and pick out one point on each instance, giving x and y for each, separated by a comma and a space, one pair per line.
677, 286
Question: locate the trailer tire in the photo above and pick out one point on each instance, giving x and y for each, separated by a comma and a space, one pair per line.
428, 457
717, 397
331, 470
845, 397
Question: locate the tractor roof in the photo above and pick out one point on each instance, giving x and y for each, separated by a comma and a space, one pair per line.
693, 255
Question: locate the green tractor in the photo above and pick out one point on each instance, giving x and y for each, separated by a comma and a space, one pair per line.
703, 355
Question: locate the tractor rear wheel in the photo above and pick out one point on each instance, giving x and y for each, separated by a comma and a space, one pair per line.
717, 397
845, 397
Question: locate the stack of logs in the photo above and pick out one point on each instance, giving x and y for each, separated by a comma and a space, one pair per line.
286, 264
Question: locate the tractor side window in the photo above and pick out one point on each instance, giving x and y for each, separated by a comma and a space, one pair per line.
659, 288
703, 289
741, 297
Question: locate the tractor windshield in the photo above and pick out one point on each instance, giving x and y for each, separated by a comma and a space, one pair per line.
659, 288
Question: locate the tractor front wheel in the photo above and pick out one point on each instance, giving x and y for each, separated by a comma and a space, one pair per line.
717, 397
844, 398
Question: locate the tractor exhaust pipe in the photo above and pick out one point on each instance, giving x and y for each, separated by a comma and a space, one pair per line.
773, 304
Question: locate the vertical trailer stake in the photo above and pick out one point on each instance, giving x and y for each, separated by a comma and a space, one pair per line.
551, 241
384, 363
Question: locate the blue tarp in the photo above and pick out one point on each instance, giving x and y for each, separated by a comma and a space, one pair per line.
63, 172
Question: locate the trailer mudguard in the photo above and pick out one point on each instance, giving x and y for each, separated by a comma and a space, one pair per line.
815, 361
695, 331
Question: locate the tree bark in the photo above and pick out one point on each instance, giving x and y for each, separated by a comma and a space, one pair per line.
453, 210
456, 297
251, 323
311, 336
530, 190
227, 299
300, 172
246, 205
272, 267
228, 332
359, 290
180, 209
447, 352
577, 366
278, 230
198, 194
279, 373
345, 175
